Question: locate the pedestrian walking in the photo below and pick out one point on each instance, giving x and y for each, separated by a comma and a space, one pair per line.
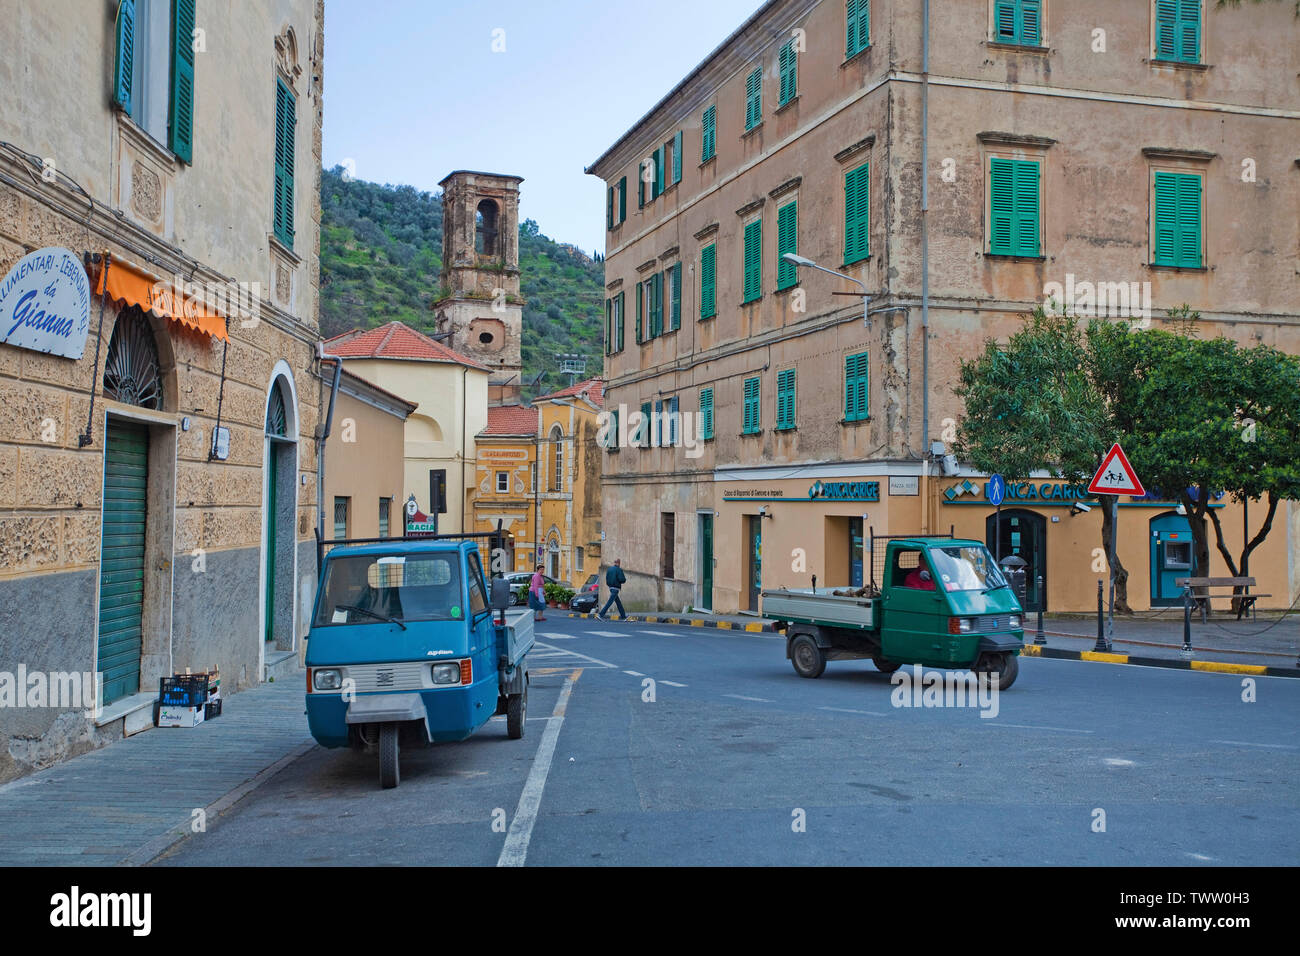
614, 580
537, 595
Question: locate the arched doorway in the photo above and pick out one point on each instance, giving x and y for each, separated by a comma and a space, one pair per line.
553, 555
1024, 533
1172, 557
279, 555
133, 626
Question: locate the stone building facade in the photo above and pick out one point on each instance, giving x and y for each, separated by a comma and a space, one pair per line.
158, 486
1146, 147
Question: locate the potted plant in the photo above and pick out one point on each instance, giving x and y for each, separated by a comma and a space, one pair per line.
557, 595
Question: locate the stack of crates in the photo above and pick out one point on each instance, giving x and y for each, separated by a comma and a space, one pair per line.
186, 700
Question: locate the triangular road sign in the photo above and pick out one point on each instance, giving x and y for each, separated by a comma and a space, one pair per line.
1115, 476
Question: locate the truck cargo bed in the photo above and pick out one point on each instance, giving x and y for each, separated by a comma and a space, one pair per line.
819, 607
517, 635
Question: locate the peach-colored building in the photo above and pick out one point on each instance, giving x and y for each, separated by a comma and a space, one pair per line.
956, 171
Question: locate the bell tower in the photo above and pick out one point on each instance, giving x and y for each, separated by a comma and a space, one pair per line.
482, 311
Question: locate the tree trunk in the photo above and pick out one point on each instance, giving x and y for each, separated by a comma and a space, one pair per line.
1121, 574
1196, 511
1243, 570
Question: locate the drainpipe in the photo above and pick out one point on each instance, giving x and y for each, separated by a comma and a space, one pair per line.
464, 440
322, 436
925, 262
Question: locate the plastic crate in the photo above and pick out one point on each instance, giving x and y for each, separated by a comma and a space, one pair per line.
183, 690
212, 708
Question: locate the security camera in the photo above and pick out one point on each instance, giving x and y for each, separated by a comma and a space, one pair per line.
949, 465
1079, 508
763, 511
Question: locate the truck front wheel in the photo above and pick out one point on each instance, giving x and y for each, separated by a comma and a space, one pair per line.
999, 669
807, 657
884, 666
389, 774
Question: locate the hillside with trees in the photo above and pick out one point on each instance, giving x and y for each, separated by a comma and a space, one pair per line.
381, 260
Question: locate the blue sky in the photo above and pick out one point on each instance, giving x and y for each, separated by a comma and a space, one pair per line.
413, 90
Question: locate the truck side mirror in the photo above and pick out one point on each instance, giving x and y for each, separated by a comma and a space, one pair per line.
501, 594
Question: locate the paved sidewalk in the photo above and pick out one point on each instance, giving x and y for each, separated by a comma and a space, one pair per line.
125, 803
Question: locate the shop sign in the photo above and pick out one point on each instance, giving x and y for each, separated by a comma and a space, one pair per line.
845, 490
1044, 492
45, 303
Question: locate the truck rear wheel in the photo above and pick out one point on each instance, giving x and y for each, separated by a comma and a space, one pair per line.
884, 666
807, 657
999, 669
389, 774
516, 713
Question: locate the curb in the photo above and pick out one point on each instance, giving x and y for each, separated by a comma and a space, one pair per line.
1216, 667
755, 628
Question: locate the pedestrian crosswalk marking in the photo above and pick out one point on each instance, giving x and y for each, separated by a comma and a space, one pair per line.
672, 683
550, 653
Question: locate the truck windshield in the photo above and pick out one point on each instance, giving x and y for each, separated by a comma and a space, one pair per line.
414, 587
966, 568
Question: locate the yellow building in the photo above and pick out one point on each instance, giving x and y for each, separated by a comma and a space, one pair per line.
570, 469
506, 483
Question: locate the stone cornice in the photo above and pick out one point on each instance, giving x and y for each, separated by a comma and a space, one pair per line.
1165, 152
849, 152
712, 227
749, 207
1001, 138
788, 186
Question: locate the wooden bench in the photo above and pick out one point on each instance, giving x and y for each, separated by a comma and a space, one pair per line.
1200, 588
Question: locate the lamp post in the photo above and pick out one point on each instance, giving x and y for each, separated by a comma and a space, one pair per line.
797, 260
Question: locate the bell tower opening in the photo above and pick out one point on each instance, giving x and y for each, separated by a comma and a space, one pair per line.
481, 312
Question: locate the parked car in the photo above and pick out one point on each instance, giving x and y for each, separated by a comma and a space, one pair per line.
519, 582
588, 596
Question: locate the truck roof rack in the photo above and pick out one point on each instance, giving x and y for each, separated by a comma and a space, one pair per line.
885, 539
495, 537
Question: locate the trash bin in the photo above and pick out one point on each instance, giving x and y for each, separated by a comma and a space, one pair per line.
1013, 569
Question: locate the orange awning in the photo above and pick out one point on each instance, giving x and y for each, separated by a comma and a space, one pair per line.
162, 298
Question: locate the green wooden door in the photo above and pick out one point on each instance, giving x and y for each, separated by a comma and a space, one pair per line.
121, 568
271, 502
706, 560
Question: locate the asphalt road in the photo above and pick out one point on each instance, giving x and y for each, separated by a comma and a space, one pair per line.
736, 760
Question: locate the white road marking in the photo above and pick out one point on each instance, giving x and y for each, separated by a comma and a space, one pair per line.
607, 633
661, 633
555, 636
515, 850
1246, 743
757, 700
1059, 730
634, 673
846, 710
1118, 762
557, 651
672, 683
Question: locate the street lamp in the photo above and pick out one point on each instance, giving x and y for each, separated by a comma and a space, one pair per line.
797, 260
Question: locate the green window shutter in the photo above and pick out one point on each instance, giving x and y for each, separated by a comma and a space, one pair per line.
1001, 206
1189, 31
609, 208
752, 419
643, 433
708, 281
676, 318
659, 173
1166, 29
1004, 21
612, 440
618, 331
709, 131
124, 61
622, 199
640, 184
857, 34
1025, 177
609, 326
1031, 22
785, 399
857, 193
754, 98
677, 157
640, 314
788, 61
120, 634
706, 413
180, 123
753, 263
1177, 220
787, 230
285, 131
855, 387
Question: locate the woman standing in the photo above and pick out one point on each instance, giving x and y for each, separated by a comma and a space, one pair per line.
536, 595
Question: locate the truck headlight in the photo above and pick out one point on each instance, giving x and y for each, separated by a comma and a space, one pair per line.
328, 678
959, 625
1013, 621
446, 673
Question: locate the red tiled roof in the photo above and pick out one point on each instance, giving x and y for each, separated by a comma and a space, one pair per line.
511, 420
594, 387
396, 340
